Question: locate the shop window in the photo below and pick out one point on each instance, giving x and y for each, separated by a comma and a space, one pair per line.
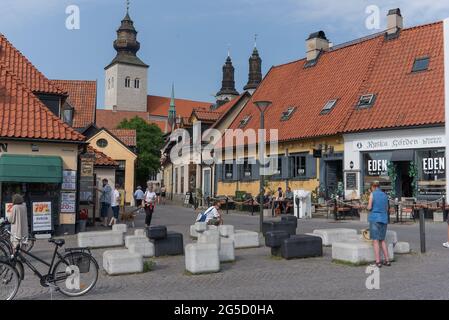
287, 114
421, 64
329, 106
431, 172
228, 171
298, 165
366, 101
102, 143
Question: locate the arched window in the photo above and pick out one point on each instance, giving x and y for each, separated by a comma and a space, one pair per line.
127, 82
112, 83
137, 83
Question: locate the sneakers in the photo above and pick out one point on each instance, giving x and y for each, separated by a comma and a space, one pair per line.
446, 245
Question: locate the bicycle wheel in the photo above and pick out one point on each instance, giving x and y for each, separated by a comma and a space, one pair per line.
5, 248
76, 274
9, 281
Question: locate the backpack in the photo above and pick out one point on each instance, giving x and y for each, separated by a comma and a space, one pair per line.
203, 216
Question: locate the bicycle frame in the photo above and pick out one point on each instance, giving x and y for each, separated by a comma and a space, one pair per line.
20, 255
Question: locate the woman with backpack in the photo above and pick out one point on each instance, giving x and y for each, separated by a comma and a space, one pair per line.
211, 216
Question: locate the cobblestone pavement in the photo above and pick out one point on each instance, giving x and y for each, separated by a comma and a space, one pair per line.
255, 275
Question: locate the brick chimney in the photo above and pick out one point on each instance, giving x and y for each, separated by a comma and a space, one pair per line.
395, 22
315, 44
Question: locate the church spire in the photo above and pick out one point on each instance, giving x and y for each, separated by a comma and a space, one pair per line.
255, 69
227, 91
172, 110
126, 43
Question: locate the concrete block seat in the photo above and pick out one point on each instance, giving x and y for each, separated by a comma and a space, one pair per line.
356, 251
202, 258
122, 262
245, 239
302, 246
210, 236
288, 226
120, 227
197, 228
100, 239
402, 248
290, 218
226, 230
133, 239
143, 247
140, 232
329, 236
274, 239
226, 251
172, 245
391, 237
157, 232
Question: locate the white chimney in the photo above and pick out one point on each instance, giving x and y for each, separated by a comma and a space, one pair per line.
315, 44
395, 22
114, 108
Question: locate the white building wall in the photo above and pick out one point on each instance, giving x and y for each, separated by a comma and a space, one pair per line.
355, 144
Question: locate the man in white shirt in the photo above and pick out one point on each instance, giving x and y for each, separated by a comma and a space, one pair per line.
115, 205
213, 216
148, 203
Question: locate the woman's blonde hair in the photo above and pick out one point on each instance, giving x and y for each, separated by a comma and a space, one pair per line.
17, 199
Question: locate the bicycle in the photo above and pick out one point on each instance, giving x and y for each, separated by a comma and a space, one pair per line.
74, 273
6, 247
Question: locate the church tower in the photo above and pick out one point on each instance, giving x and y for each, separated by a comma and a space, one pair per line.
255, 71
227, 92
126, 76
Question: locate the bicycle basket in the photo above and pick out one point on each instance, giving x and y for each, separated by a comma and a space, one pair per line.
82, 261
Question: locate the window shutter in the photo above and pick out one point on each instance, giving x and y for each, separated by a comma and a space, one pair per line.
235, 171
286, 171
219, 171
310, 167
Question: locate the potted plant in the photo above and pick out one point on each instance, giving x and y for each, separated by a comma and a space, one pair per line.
363, 211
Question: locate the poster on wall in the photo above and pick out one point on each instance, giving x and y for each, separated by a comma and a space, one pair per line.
69, 180
68, 202
42, 220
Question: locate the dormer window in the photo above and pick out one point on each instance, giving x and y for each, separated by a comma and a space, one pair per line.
137, 83
329, 106
244, 121
127, 82
287, 113
421, 64
366, 101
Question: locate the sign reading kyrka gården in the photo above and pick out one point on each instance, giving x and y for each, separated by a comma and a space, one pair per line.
400, 143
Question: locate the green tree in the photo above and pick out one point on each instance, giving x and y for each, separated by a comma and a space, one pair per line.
149, 143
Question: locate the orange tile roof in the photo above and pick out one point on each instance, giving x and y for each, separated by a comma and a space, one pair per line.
374, 65
82, 97
22, 115
127, 136
158, 106
111, 119
101, 159
206, 115
19, 65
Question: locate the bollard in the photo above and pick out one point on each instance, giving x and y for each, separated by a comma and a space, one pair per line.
422, 230
227, 207
252, 207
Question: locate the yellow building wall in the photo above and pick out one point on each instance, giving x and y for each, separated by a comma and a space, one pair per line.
229, 188
118, 151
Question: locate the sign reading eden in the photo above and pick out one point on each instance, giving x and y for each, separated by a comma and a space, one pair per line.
377, 167
433, 165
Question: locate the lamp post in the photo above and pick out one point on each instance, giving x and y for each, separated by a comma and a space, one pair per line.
262, 106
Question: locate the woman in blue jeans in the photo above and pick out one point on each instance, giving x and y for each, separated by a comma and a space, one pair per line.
378, 221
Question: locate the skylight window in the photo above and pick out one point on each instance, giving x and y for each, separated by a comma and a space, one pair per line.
244, 121
329, 106
421, 64
287, 113
366, 101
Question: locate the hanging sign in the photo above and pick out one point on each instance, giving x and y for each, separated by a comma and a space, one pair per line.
42, 216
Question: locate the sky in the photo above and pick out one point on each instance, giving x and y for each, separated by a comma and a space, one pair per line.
185, 42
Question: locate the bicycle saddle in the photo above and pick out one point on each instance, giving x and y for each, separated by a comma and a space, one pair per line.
58, 242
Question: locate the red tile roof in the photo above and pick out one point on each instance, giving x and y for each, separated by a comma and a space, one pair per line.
101, 159
111, 119
127, 136
19, 65
206, 115
158, 106
22, 115
368, 66
82, 97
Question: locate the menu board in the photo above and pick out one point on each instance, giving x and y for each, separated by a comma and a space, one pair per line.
42, 220
68, 202
351, 181
68, 180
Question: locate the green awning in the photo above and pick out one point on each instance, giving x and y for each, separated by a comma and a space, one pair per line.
24, 168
